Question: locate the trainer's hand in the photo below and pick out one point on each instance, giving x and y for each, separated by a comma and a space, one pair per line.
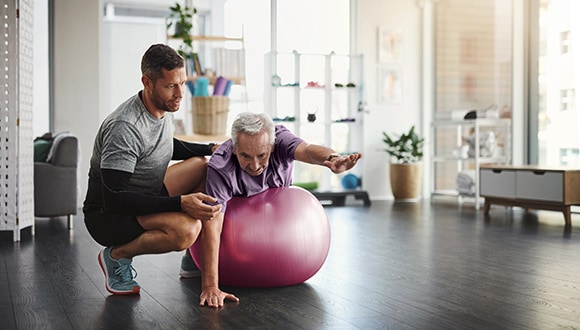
194, 206
214, 297
342, 163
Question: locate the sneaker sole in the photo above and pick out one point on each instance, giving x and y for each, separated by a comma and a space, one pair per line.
136, 289
189, 274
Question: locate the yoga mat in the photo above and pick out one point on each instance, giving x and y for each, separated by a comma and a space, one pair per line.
228, 88
201, 86
220, 86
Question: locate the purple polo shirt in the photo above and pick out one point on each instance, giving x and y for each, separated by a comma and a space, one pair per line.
225, 177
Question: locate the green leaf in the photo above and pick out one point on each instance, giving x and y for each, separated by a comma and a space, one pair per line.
406, 147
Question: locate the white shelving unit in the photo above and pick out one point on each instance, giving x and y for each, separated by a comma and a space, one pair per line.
328, 86
450, 156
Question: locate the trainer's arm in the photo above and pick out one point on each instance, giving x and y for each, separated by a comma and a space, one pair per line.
184, 150
118, 199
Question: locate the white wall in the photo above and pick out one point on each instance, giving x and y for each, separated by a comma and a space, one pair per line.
121, 58
40, 95
391, 118
76, 74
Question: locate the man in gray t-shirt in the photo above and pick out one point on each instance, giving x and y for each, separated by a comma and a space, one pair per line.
135, 203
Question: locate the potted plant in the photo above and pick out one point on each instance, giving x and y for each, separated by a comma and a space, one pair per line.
406, 151
181, 18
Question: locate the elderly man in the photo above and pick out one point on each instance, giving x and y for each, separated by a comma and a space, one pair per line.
259, 156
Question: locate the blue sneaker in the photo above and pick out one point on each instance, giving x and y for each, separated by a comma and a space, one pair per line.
118, 274
188, 268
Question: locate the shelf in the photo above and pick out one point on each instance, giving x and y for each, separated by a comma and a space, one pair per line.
345, 89
210, 38
286, 86
473, 122
321, 88
212, 80
344, 121
217, 38
481, 160
451, 193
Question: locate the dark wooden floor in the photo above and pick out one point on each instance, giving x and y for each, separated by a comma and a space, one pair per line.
428, 265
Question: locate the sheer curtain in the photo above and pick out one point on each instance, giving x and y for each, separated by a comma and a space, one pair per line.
473, 71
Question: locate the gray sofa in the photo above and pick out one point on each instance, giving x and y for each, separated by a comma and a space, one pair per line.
56, 180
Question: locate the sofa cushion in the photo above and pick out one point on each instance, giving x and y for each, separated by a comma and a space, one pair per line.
41, 149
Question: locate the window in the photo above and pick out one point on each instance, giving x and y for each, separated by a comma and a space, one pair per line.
473, 56
567, 99
564, 42
554, 139
569, 157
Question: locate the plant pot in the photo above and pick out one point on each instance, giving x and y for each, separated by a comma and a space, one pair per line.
406, 181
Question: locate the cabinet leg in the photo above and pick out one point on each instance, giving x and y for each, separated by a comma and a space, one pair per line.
486, 206
567, 216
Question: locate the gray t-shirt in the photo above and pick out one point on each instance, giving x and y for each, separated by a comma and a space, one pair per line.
132, 140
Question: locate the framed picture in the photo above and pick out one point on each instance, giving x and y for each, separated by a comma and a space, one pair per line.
390, 85
179, 127
390, 45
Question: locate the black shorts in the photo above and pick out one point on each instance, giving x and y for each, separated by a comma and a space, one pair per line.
112, 229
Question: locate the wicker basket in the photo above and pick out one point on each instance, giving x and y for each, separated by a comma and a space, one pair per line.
210, 114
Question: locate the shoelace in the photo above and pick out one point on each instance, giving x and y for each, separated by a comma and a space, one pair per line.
125, 272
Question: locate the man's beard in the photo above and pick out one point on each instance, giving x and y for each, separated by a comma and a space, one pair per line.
159, 104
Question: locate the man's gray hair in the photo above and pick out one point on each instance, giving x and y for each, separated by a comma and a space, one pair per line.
252, 124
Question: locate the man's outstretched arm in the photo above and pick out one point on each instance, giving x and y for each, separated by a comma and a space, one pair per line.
325, 156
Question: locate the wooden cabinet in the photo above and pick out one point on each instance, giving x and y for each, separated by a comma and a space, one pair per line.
538, 187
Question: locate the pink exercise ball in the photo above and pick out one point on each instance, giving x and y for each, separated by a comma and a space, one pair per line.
279, 237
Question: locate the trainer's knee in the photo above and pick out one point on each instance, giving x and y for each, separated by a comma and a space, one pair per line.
187, 234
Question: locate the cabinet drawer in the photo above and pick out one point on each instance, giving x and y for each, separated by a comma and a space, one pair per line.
540, 185
497, 183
